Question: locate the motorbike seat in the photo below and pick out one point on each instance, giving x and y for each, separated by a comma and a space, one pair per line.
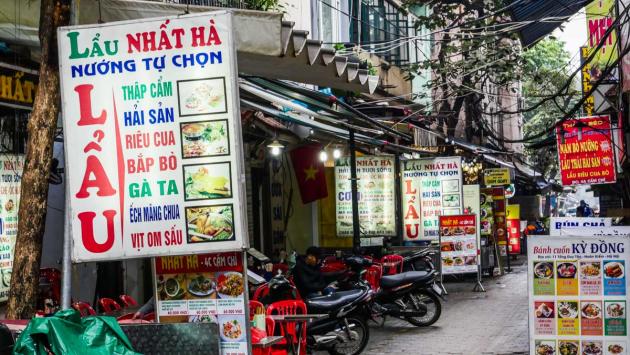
391, 281
334, 300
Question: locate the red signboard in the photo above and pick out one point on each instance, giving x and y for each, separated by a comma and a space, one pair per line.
459, 248
585, 151
514, 236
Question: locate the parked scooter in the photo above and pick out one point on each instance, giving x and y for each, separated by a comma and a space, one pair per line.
411, 295
345, 330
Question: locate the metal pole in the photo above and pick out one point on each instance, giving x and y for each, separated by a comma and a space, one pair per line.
356, 228
398, 200
66, 263
66, 266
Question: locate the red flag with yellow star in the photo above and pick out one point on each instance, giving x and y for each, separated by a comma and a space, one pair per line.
309, 172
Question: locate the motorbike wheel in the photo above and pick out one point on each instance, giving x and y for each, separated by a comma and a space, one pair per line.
434, 308
356, 346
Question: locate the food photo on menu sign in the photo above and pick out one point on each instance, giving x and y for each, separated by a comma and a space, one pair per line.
154, 158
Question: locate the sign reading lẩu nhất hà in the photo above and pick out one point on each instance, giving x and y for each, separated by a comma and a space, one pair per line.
430, 188
155, 159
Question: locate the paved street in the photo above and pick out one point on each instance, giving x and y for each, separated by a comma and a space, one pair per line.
472, 323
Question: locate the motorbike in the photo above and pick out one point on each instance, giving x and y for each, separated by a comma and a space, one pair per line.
345, 331
412, 296
421, 260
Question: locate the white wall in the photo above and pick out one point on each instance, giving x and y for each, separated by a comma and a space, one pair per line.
298, 11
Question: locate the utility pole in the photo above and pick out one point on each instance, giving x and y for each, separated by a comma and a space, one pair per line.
356, 227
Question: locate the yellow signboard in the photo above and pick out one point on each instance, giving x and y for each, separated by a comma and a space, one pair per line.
599, 18
497, 177
513, 212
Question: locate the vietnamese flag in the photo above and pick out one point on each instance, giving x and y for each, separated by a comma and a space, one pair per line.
309, 172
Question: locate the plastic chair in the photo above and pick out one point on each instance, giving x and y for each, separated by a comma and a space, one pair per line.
128, 301
253, 306
261, 291
150, 317
108, 305
84, 308
392, 264
289, 329
125, 316
373, 276
270, 326
53, 276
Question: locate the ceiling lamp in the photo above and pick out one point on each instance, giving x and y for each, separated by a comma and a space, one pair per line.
275, 147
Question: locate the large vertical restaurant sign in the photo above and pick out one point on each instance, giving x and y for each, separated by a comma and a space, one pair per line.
376, 191
153, 149
430, 188
585, 151
578, 294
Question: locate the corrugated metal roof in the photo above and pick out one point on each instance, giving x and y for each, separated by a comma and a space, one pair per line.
540, 11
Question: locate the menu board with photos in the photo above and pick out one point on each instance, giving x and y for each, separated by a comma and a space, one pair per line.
430, 188
156, 151
376, 196
204, 288
578, 295
459, 247
10, 180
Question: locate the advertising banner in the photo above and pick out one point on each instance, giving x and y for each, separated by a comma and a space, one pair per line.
625, 42
600, 16
376, 194
430, 188
497, 177
155, 160
578, 295
559, 225
513, 219
585, 151
10, 176
18, 86
487, 212
589, 103
459, 245
204, 288
615, 231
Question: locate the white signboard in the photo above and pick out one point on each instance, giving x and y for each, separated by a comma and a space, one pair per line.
599, 232
578, 295
558, 224
154, 149
376, 196
430, 188
10, 176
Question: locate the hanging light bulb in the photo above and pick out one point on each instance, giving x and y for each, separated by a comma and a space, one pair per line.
337, 153
275, 147
323, 156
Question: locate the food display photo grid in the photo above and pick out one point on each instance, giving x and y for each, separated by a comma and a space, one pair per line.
204, 288
578, 295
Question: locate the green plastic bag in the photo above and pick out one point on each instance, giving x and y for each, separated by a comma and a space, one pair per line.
68, 334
